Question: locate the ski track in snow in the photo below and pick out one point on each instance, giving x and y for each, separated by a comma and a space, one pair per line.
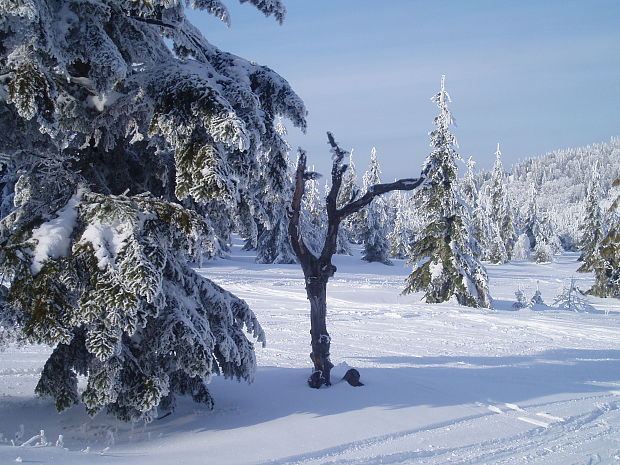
529, 446
444, 383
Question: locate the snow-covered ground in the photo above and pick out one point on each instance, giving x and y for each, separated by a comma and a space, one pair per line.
443, 383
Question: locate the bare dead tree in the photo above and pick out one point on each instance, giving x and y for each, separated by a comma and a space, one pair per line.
318, 270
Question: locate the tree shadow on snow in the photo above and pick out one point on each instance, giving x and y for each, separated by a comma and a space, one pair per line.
416, 381
402, 382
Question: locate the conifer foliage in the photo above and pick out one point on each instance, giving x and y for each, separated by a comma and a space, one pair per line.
475, 212
592, 226
402, 233
352, 226
375, 231
444, 264
502, 235
538, 230
131, 147
273, 244
607, 266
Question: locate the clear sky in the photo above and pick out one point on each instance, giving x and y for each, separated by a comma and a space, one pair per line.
534, 75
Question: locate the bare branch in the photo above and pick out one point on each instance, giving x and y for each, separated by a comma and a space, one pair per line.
407, 184
294, 230
153, 21
333, 221
337, 153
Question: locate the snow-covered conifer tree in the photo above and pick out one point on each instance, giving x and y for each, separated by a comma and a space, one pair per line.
352, 226
607, 267
444, 264
477, 219
375, 231
313, 216
538, 230
273, 244
130, 146
521, 300
401, 236
592, 226
343, 242
497, 248
537, 301
499, 214
522, 248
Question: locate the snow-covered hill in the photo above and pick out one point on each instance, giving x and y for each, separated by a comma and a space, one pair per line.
561, 179
443, 383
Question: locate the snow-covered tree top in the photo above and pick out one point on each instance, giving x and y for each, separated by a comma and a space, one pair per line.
373, 175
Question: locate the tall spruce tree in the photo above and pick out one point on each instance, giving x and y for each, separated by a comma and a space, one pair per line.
500, 214
273, 244
352, 226
313, 214
444, 264
402, 234
475, 214
592, 225
130, 147
538, 230
375, 232
607, 267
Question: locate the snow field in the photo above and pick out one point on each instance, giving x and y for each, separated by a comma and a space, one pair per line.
443, 383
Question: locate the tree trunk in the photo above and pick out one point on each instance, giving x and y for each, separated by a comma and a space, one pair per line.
316, 289
318, 270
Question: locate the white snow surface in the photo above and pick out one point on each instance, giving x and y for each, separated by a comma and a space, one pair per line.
53, 238
443, 383
106, 241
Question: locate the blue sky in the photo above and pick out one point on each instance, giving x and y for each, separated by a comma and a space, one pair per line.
532, 75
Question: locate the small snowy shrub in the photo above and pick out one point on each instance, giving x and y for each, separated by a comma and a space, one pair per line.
521, 302
572, 299
537, 299
522, 248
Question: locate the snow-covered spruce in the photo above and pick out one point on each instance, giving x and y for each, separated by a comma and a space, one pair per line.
538, 230
405, 227
592, 226
374, 233
500, 217
130, 148
522, 248
272, 242
444, 264
477, 219
537, 300
353, 225
313, 215
123, 307
607, 266
521, 300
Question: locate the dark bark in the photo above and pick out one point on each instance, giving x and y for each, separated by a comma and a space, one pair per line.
318, 270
